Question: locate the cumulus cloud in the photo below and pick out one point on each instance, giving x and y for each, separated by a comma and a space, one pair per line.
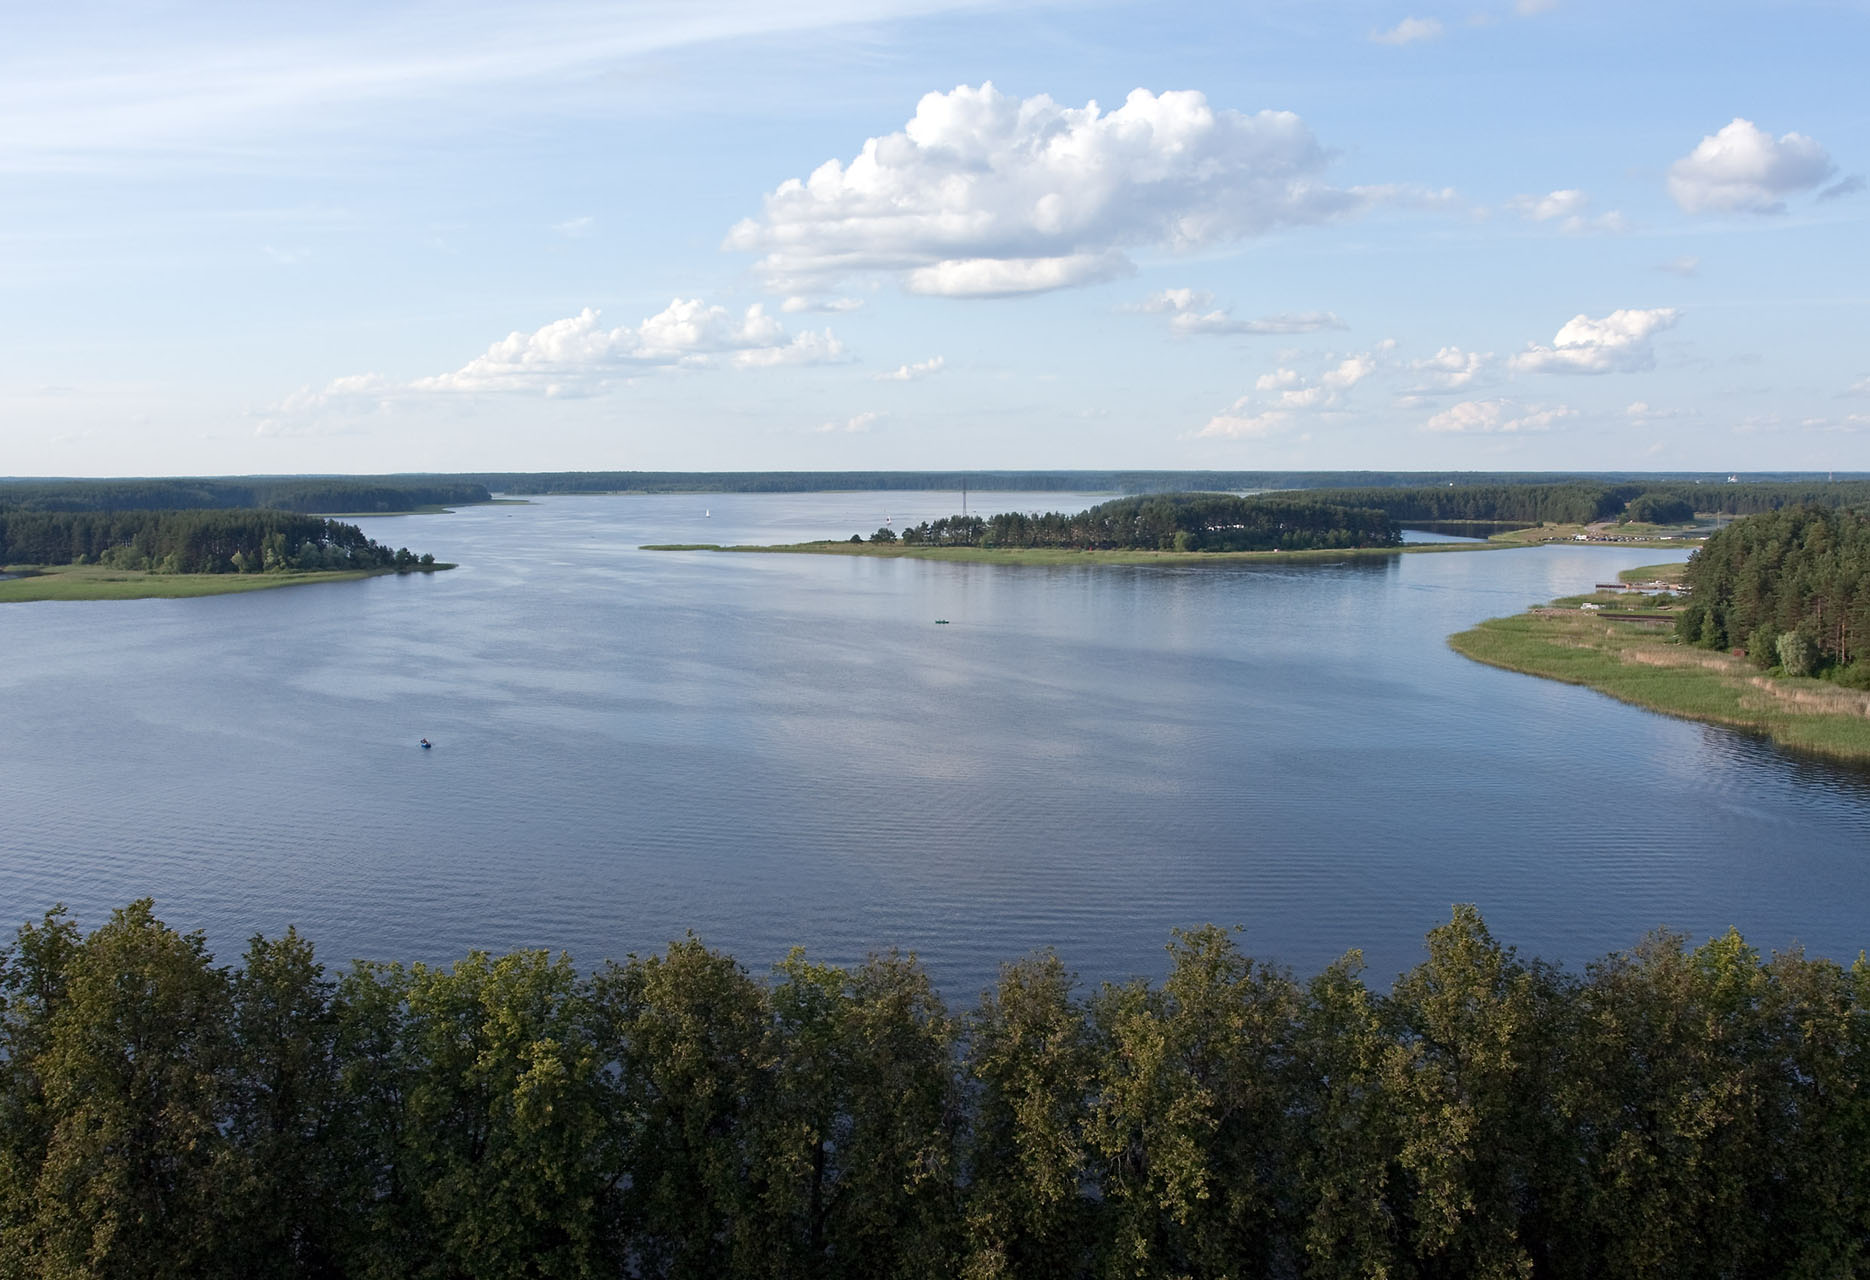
1568, 208
1744, 169
1497, 416
1192, 311
576, 228
1861, 387
569, 356
1687, 266
985, 194
1281, 398
1618, 343
1409, 31
1450, 369
914, 372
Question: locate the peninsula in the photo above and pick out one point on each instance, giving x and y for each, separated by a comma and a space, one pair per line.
1765, 633
128, 555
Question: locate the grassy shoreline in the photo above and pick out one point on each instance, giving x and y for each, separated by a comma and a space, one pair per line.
1641, 664
96, 582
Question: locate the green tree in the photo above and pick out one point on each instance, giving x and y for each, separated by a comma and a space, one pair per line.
504, 1144
133, 1075
1469, 1079
1031, 1063
1349, 1141
688, 1032
1192, 1118
280, 1189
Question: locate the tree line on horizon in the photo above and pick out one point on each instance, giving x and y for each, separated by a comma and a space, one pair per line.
304, 495
1528, 497
222, 541
1667, 1112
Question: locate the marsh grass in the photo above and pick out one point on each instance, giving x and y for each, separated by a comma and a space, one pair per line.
1644, 666
95, 582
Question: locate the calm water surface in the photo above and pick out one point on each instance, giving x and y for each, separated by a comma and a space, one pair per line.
773, 750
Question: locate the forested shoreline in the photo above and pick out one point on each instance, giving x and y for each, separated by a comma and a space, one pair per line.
1665, 1112
1791, 588
195, 542
1168, 522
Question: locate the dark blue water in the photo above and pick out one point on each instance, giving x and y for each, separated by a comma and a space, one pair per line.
773, 749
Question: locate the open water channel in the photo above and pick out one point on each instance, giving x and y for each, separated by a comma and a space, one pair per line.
774, 750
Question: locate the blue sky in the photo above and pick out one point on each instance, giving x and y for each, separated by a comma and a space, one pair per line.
1491, 234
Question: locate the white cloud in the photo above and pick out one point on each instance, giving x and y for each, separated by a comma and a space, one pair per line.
1861, 387
1007, 277
1641, 411
1743, 169
572, 357
913, 372
576, 228
1281, 398
1450, 369
569, 356
1409, 31
797, 303
1568, 209
984, 194
1192, 311
854, 426
1618, 343
1687, 266
1528, 8
1497, 417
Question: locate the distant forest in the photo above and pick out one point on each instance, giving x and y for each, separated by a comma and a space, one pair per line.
1667, 1112
351, 495
1169, 522
230, 541
1792, 587
1505, 497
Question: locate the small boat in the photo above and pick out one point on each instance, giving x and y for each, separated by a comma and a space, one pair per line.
941, 622
426, 744
707, 513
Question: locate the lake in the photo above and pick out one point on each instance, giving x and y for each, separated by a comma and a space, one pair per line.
774, 750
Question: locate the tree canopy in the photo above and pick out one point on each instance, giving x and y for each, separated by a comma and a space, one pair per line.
1667, 1112
1801, 572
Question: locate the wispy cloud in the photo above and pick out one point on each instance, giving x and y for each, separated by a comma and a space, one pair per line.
914, 372
1192, 311
1409, 31
575, 357
80, 91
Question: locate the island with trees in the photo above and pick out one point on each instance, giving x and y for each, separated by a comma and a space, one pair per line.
1170, 527
1768, 630
1667, 1111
